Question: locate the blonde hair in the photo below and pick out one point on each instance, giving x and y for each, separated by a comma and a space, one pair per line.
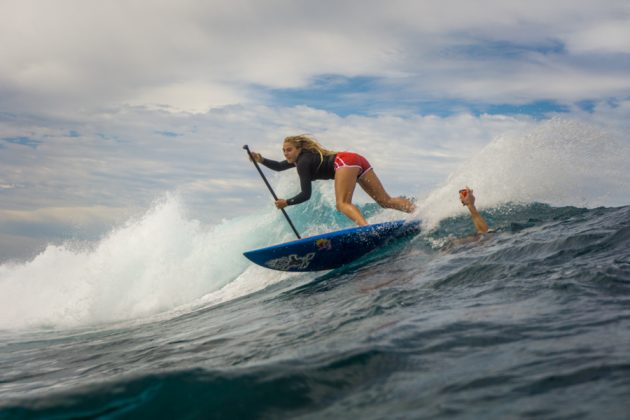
304, 141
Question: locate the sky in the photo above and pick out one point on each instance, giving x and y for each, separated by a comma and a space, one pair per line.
106, 106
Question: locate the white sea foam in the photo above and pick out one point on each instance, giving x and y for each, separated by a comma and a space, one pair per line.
148, 266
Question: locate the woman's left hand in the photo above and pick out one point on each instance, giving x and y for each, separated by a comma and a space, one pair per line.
281, 203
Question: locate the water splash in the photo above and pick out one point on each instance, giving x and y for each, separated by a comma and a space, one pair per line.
147, 266
560, 162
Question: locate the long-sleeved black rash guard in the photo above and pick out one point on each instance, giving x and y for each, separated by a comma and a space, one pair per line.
310, 167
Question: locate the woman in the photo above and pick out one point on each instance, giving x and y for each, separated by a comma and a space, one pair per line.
347, 169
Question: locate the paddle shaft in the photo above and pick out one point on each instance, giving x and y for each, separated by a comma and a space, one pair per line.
246, 147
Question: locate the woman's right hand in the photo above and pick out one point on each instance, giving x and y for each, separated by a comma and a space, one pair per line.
257, 157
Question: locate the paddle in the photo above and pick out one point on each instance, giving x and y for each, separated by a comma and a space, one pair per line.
246, 147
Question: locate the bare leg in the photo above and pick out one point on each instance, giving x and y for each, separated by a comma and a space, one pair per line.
372, 185
345, 182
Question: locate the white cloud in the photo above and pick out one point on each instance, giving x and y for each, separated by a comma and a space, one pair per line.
75, 55
188, 97
602, 37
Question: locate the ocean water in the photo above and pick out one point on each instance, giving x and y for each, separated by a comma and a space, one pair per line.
164, 318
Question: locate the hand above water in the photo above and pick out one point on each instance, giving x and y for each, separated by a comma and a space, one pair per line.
467, 197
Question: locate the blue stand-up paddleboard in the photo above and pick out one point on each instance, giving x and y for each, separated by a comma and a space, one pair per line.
331, 250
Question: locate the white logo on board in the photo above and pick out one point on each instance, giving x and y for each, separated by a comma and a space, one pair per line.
290, 262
